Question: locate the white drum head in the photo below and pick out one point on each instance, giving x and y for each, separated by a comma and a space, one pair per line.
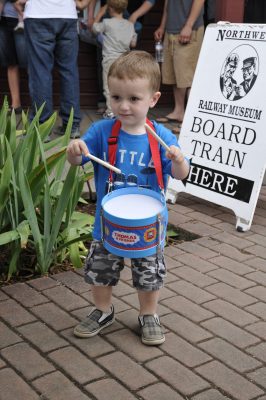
133, 206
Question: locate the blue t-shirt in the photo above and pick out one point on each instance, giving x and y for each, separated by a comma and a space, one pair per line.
133, 157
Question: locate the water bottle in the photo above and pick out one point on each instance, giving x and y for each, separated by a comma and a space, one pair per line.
159, 51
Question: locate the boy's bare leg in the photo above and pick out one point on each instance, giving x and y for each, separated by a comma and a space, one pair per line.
148, 302
102, 297
150, 327
13, 83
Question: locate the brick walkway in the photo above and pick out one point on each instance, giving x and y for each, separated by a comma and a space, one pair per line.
213, 309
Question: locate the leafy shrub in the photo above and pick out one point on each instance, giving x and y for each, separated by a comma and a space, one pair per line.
39, 194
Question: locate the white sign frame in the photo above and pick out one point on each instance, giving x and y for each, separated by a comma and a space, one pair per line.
223, 132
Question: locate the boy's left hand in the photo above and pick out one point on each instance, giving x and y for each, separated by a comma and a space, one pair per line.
175, 154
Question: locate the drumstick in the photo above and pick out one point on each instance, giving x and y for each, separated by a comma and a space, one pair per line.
154, 134
104, 163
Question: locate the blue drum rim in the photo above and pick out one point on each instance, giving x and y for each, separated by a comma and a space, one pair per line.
133, 190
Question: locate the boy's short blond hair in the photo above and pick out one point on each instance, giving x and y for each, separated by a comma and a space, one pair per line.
137, 64
118, 6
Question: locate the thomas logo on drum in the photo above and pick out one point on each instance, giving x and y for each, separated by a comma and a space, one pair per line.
125, 238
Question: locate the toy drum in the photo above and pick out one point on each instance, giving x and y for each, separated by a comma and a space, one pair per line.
134, 222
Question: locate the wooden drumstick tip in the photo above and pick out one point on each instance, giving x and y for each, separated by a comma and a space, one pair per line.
154, 134
104, 163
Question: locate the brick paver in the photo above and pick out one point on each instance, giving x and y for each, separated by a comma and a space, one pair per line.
213, 309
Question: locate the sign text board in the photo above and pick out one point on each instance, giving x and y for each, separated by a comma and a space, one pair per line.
224, 129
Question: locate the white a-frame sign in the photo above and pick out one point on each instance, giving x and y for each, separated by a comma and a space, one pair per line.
224, 129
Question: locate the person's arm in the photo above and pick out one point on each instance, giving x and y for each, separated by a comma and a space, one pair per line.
142, 10
100, 13
91, 10
81, 4
159, 33
180, 166
19, 5
133, 42
185, 34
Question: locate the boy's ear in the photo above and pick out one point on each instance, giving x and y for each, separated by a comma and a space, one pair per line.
154, 99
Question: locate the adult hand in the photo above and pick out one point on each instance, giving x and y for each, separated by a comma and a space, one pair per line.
185, 35
158, 34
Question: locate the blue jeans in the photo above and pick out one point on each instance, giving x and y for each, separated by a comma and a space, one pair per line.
53, 42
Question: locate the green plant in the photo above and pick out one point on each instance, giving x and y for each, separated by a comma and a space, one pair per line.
39, 195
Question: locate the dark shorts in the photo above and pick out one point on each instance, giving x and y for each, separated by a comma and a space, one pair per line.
103, 269
12, 44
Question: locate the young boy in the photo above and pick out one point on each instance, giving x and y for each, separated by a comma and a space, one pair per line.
118, 36
134, 81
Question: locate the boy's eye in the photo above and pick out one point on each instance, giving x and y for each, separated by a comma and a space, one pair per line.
115, 97
134, 98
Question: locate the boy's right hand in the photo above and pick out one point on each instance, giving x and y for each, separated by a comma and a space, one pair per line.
75, 150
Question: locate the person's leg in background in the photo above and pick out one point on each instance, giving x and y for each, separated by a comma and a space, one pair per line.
14, 71
13, 83
169, 78
9, 60
66, 58
178, 70
40, 36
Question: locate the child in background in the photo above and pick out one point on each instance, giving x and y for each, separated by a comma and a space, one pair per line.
134, 82
118, 37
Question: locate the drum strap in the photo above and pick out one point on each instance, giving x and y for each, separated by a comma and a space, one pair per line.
112, 150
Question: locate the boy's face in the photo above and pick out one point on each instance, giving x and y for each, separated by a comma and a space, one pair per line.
130, 102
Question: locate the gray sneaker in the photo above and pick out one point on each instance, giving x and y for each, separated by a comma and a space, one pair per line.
94, 323
151, 330
61, 130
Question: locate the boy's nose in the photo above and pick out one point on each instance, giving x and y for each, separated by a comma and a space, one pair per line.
124, 105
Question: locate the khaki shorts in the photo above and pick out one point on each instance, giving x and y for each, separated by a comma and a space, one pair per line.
180, 60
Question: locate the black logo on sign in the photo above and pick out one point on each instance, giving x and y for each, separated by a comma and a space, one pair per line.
239, 72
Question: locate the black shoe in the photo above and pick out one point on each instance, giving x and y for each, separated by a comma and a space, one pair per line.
17, 110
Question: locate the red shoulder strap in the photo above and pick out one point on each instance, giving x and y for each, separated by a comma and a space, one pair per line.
112, 145
112, 150
155, 153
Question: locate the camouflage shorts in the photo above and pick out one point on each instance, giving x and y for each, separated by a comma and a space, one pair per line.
103, 269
